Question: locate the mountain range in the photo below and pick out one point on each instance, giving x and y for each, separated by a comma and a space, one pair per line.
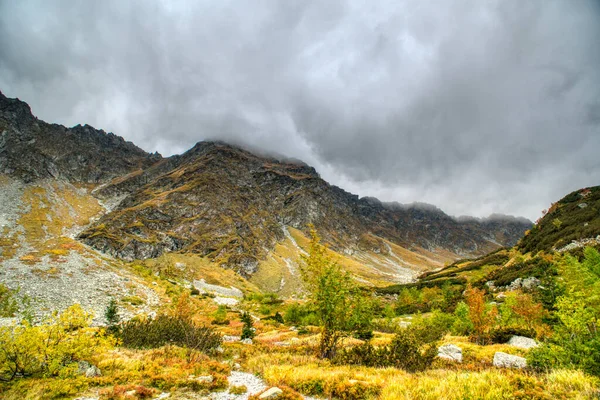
219, 203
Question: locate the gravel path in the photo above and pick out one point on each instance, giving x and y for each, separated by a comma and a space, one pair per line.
252, 382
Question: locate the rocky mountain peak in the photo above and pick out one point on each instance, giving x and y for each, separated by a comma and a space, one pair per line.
32, 149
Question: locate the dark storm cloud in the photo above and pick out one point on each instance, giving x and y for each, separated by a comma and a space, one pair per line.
475, 106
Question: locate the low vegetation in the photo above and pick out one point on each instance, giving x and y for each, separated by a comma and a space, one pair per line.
338, 341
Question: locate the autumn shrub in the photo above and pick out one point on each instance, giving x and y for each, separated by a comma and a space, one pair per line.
121, 392
238, 390
52, 348
481, 314
168, 329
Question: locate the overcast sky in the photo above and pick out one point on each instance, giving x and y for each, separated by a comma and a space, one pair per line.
475, 106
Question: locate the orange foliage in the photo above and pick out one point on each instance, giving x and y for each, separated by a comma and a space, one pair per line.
529, 310
482, 315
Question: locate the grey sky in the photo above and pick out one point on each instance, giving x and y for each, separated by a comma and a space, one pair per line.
475, 106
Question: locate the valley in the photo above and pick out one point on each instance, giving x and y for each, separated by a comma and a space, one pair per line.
130, 275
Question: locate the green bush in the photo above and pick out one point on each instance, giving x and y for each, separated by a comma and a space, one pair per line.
167, 329
111, 313
413, 348
8, 303
247, 329
503, 334
220, 316
576, 339
462, 325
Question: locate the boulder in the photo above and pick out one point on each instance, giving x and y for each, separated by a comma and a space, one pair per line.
522, 342
246, 341
450, 352
504, 360
93, 372
87, 369
272, 393
530, 283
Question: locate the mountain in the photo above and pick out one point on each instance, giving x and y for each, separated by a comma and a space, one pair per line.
568, 226
233, 206
32, 149
221, 205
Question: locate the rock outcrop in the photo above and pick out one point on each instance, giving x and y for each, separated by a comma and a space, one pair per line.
523, 342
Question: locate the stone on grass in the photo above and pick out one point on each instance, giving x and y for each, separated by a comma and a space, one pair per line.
246, 341
450, 352
504, 360
93, 372
522, 342
271, 393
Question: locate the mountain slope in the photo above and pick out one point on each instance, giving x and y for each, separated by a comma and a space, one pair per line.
569, 225
232, 206
573, 218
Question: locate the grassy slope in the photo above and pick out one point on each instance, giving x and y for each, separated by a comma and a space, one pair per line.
574, 217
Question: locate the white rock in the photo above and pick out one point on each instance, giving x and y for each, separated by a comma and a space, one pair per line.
230, 338
226, 301
246, 341
92, 372
503, 360
522, 342
531, 283
272, 393
450, 352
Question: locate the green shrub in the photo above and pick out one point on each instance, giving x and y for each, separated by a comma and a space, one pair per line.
576, 340
503, 334
238, 390
111, 313
220, 316
248, 329
8, 302
413, 348
167, 329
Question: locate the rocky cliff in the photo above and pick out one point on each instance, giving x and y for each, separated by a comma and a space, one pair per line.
32, 149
